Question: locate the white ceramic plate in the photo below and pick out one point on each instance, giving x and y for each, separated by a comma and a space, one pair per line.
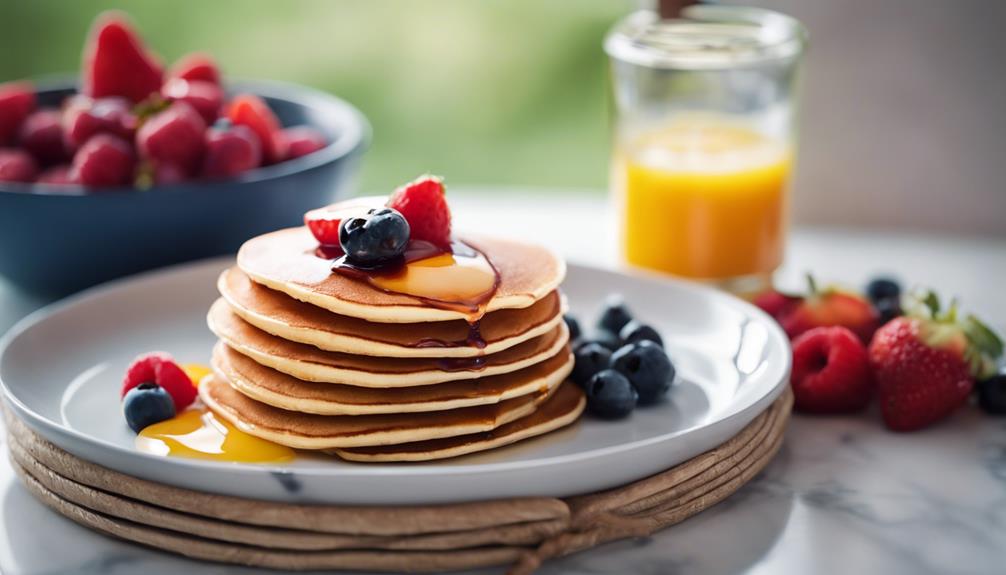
61, 368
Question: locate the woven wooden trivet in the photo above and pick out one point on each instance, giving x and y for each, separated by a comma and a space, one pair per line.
517, 532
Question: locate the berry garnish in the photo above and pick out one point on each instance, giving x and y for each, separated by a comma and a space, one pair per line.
104, 161
615, 314
374, 239
610, 395
41, 135
17, 100
174, 136
84, 117
992, 394
589, 359
573, 326
196, 67
324, 222
302, 140
249, 110
635, 331
828, 307
17, 166
882, 288
147, 404
424, 205
160, 368
926, 362
204, 97
116, 63
230, 150
831, 371
647, 367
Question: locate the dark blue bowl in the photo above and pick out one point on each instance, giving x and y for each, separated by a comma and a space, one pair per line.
58, 239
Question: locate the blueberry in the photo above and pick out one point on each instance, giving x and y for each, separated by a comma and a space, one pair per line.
610, 395
888, 309
147, 404
607, 339
378, 237
635, 331
590, 358
647, 368
992, 394
882, 288
615, 314
573, 326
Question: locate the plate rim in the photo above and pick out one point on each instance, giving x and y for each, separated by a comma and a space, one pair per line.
43, 424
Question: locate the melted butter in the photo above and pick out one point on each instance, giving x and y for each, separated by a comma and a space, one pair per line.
467, 281
200, 434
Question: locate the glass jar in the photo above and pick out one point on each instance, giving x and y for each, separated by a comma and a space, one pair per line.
704, 133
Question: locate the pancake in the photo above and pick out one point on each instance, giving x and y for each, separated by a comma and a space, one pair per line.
309, 363
293, 320
562, 409
285, 261
312, 431
280, 390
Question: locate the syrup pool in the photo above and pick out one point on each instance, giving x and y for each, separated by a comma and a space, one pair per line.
199, 433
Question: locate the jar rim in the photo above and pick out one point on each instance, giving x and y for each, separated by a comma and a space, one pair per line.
706, 37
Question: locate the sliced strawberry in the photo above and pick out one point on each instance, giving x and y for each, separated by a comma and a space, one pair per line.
831, 371
116, 63
197, 67
424, 205
17, 100
324, 222
160, 368
250, 110
926, 363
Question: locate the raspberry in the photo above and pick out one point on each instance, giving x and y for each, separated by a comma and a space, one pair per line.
230, 150
174, 136
196, 67
116, 63
17, 166
302, 140
17, 100
249, 110
160, 368
42, 136
84, 117
205, 97
424, 206
104, 161
57, 175
831, 371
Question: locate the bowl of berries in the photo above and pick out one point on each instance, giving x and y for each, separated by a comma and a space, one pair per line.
136, 165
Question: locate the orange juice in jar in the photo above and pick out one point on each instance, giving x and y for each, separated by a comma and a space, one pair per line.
703, 135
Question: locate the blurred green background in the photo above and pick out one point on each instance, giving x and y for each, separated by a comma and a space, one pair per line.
484, 92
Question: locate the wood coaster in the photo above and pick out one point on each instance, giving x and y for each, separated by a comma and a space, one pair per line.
517, 532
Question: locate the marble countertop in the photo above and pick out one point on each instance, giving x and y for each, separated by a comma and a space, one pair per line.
842, 496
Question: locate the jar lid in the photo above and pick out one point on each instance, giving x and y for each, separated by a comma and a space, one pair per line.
706, 37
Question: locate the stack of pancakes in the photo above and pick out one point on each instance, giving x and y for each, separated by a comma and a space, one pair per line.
318, 360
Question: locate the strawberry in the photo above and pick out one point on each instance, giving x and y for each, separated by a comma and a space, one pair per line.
776, 304
827, 307
324, 222
205, 97
302, 140
84, 117
160, 368
424, 205
17, 100
41, 134
925, 363
174, 136
831, 371
230, 150
196, 67
57, 175
104, 161
17, 166
252, 111
116, 63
